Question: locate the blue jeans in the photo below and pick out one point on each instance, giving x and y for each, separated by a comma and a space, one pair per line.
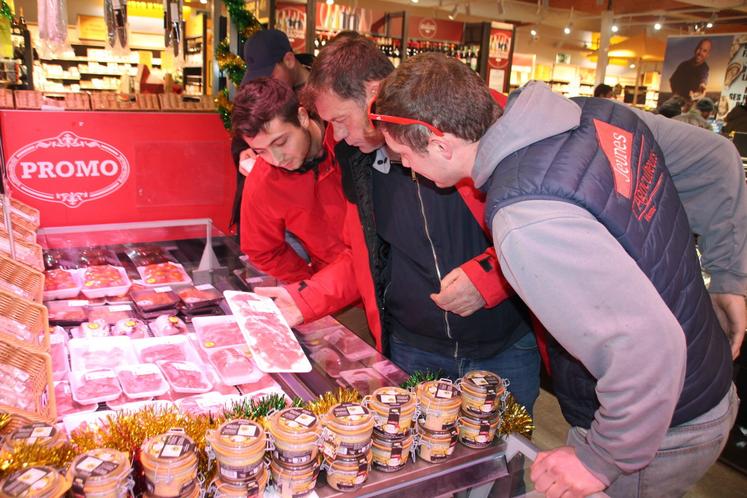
685, 454
520, 364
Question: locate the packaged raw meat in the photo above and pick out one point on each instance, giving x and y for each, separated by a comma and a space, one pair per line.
125, 403
148, 255
142, 380
131, 327
16, 388
199, 296
328, 360
273, 345
235, 365
63, 397
168, 273
364, 380
89, 330
71, 312
63, 258
212, 402
61, 284
16, 329
168, 325
157, 298
218, 332
94, 386
58, 352
97, 256
105, 280
15, 289
324, 323
174, 348
185, 376
110, 314
101, 352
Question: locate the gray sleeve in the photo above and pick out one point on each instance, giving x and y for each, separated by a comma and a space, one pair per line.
708, 174
597, 303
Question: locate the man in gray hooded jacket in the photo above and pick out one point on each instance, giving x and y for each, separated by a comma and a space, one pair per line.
593, 236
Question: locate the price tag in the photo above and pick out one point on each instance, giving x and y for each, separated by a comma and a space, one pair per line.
160, 290
120, 307
204, 287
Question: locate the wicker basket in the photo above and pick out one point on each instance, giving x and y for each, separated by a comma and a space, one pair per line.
28, 99
33, 315
24, 211
6, 98
38, 366
191, 103
123, 102
77, 102
22, 276
32, 253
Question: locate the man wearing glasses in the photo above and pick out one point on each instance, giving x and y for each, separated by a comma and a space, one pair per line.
418, 254
595, 236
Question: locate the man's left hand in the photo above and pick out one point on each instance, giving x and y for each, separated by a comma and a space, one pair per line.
732, 315
458, 294
559, 472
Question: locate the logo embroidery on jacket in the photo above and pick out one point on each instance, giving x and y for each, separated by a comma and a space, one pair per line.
617, 144
646, 187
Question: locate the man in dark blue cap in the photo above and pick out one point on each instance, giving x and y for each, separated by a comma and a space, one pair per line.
267, 53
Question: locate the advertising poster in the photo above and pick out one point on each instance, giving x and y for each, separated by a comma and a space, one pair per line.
291, 19
499, 56
735, 78
695, 66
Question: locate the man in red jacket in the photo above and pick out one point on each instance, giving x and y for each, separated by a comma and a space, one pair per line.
294, 185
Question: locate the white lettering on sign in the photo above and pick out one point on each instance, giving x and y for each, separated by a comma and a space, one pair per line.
91, 169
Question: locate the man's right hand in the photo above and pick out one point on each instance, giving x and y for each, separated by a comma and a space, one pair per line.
284, 302
247, 157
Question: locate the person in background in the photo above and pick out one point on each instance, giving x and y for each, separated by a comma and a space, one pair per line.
268, 54
736, 120
690, 78
294, 186
698, 114
672, 107
604, 91
419, 256
594, 237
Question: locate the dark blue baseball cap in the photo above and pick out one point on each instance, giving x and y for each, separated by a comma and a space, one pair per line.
262, 51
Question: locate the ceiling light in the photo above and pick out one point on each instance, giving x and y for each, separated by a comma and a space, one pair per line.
632, 66
567, 29
615, 28
657, 25
711, 21
330, 2
453, 13
709, 24
414, 1
533, 32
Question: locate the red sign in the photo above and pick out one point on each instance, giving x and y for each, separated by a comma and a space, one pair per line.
291, 19
427, 28
435, 29
500, 48
82, 168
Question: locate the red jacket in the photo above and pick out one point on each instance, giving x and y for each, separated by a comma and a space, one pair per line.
349, 277
311, 207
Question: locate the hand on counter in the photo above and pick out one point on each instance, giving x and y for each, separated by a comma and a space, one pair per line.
732, 315
559, 472
284, 302
458, 294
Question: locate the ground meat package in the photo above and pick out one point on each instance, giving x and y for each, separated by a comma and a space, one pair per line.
61, 284
185, 376
95, 386
271, 341
164, 274
142, 380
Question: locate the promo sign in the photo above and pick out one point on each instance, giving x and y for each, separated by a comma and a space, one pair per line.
50, 169
499, 56
291, 19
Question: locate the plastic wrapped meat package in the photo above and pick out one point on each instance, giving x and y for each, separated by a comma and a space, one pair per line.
324, 323
353, 347
17, 329
185, 376
166, 325
148, 255
322, 338
58, 352
174, 348
101, 352
123, 403
330, 361
95, 386
130, 327
218, 332
16, 388
271, 341
110, 314
97, 256
104, 280
70, 312
61, 284
18, 291
213, 402
167, 273
235, 365
364, 380
199, 296
392, 372
89, 330
142, 380
157, 298
63, 397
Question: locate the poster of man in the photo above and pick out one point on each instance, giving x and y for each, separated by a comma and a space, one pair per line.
694, 66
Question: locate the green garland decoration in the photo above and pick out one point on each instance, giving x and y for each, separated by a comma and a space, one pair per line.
5, 11
224, 105
257, 409
245, 22
419, 376
229, 63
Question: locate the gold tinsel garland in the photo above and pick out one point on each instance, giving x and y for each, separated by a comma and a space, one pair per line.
325, 401
515, 419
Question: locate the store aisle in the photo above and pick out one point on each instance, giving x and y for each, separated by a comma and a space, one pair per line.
721, 481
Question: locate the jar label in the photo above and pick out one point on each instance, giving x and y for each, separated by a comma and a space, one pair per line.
444, 390
30, 479
34, 432
174, 446
240, 428
300, 416
484, 428
92, 466
294, 459
186, 489
393, 399
394, 415
348, 410
240, 473
396, 451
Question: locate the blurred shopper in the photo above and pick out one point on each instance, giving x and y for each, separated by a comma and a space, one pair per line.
698, 114
604, 91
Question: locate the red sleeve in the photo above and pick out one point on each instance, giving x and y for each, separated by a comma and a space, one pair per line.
485, 274
332, 288
263, 238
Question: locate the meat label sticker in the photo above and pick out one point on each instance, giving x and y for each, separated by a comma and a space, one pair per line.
204, 287
121, 307
163, 289
101, 374
186, 367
